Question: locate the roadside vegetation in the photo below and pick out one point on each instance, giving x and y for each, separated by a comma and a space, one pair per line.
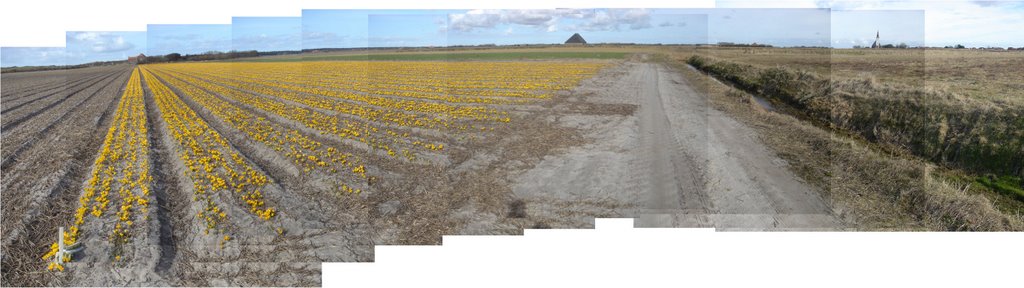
940, 158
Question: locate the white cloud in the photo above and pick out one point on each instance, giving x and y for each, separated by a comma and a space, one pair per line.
99, 42
549, 19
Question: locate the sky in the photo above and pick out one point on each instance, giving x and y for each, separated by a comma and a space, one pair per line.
266, 33
373, 28
647, 26
31, 56
187, 39
840, 24
858, 28
91, 46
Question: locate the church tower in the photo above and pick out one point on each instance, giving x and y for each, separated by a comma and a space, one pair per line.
876, 44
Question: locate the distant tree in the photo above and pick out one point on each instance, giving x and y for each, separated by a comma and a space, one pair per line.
888, 46
173, 57
959, 46
902, 46
153, 59
857, 47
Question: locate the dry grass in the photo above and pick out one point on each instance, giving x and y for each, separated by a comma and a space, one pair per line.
940, 126
977, 74
871, 187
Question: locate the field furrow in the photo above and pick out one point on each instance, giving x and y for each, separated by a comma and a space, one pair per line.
58, 89
41, 188
36, 107
27, 133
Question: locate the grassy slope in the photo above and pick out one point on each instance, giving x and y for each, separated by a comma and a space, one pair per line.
983, 136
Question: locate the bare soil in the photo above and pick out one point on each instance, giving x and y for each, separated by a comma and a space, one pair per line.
673, 161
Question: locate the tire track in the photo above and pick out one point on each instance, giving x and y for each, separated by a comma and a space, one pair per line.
745, 189
673, 188
169, 197
176, 222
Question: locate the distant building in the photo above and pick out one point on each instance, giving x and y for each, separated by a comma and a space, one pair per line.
576, 39
136, 59
876, 44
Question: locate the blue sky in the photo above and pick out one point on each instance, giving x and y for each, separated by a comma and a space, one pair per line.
187, 38
775, 26
841, 24
851, 28
90, 46
266, 33
333, 28
352, 28
504, 27
390, 28
407, 30
31, 56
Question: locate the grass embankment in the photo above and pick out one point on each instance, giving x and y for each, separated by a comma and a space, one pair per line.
880, 187
940, 126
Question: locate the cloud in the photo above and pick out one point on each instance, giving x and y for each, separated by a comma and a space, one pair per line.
666, 24
549, 19
612, 20
99, 42
469, 22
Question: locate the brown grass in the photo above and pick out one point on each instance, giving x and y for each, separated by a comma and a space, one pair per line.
873, 188
977, 74
939, 126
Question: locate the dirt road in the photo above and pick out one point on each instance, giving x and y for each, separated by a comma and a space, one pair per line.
674, 162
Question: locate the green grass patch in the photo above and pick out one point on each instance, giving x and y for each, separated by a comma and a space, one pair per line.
490, 56
1008, 185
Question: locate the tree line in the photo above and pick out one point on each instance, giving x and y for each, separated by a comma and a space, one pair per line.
206, 56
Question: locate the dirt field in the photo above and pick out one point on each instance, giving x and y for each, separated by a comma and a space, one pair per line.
52, 130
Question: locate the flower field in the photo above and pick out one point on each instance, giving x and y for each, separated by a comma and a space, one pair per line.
253, 144
122, 167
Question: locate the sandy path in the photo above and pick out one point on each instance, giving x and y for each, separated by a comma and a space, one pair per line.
675, 162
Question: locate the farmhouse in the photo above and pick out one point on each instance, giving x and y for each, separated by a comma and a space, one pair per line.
576, 39
136, 59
